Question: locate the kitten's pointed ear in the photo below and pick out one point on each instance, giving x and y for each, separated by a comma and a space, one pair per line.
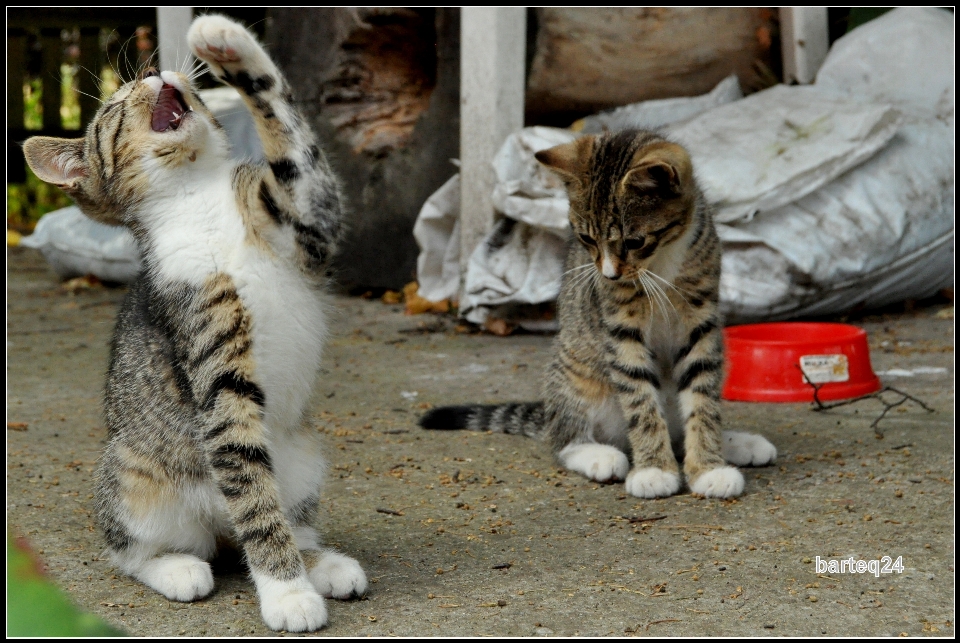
569, 160
663, 167
56, 160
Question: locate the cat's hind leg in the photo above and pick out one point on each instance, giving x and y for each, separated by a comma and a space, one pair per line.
604, 426
748, 449
600, 462
160, 533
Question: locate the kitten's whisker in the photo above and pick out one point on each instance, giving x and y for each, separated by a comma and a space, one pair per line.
662, 300
679, 291
667, 299
586, 265
97, 78
96, 98
580, 279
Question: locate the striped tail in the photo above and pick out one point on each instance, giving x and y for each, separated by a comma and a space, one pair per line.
516, 418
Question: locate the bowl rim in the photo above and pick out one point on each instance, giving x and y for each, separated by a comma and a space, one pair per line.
741, 334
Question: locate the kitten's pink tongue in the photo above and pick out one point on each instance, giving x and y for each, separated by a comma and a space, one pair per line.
168, 110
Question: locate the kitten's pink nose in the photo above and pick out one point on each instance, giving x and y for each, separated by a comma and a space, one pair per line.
610, 269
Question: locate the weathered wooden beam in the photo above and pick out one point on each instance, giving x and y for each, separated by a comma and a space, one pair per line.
172, 26
492, 61
16, 65
51, 56
587, 59
804, 37
89, 72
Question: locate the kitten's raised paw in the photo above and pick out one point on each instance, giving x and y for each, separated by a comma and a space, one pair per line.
651, 482
599, 462
294, 606
747, 449
722, 482
179, 577
218, 41
338, 576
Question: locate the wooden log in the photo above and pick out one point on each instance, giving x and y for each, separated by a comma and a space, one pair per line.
587, 59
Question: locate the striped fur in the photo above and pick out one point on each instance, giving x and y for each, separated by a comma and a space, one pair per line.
638, 361
218, 344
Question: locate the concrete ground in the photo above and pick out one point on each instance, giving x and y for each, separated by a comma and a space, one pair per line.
476, 534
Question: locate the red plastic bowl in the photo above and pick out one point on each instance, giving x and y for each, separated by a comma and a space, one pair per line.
764, 362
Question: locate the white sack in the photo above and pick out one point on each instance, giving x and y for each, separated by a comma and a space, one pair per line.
879, 234
905, 57
437, 232
517, 262
778, 145
75, 245
883, 232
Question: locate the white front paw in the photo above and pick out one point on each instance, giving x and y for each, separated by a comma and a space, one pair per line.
722, 482
599, 462
179, 577
651, 482
295, 610
747, 449
218, 40
338, 576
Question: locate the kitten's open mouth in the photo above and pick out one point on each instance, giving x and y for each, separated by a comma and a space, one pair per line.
170, 109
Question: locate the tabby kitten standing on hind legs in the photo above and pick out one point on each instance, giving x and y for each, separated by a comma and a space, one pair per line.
218, 343
637, 365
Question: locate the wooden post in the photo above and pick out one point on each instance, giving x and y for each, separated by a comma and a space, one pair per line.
51, 57
16, 65
492, 76
804, 33
172, 26
89, 71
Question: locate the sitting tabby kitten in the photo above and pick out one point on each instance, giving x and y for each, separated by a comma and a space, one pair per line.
217, 346
639, 356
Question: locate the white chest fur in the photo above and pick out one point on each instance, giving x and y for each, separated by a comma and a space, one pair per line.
200, 232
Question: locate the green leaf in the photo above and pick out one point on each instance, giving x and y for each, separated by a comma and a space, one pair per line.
35, 607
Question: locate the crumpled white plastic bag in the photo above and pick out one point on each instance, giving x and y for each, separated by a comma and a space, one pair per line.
779, 145
437, 231
884, 231
75, 245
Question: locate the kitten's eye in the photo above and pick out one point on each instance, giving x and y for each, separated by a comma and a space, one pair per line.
588, 240
634, 244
